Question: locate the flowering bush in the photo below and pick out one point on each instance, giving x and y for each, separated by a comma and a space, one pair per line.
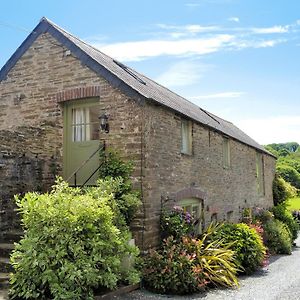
170, 270
176, 223
278, 237
188, 265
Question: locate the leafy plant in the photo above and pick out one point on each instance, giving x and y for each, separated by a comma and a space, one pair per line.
282, 190
188, 265
277, 237
170, 270
116, 173
282, 214
176, 223
71, 246
214, 258
245, 242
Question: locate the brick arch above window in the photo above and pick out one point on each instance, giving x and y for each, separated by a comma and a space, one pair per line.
78, 93
188, 193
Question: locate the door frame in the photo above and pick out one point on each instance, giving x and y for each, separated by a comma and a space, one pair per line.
84, 102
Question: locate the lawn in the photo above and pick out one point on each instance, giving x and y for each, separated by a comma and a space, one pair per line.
294, 203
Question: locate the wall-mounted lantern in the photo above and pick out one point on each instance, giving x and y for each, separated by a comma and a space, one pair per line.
104, 126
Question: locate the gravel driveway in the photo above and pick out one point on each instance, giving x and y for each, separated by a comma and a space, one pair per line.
279, 281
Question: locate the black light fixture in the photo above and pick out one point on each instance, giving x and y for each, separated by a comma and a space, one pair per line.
104, 126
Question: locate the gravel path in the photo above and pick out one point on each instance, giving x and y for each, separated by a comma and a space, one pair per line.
279, 281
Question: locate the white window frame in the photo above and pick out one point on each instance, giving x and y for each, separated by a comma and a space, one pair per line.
186, 137
226, 153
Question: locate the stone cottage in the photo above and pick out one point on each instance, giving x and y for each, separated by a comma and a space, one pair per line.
53, 90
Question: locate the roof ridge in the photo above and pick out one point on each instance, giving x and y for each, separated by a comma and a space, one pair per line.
123, 79
75, 37
134, 71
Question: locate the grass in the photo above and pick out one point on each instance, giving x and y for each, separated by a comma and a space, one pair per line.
294, 203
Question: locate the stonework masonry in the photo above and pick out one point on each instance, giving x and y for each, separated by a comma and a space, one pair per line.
32, 101
168, 171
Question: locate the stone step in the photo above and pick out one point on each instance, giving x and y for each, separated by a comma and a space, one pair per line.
4, 280
11, 236
5, 266
5, 249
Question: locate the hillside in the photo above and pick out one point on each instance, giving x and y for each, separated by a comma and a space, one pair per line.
288, 162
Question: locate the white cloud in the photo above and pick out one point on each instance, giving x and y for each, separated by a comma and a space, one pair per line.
140, 50
234, 19
273, 129
190, 28
218, 96
183, 73
194, 40
192, 5
243, 44
268, 30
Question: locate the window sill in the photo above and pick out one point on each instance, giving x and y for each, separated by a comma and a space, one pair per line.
226, 167
186, 153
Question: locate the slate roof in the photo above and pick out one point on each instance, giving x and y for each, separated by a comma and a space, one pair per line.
129, 81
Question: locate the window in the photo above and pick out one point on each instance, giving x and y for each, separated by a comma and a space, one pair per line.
214, 218
260, 174
194, 207
229, 216
85, 124
226, 153
186, 137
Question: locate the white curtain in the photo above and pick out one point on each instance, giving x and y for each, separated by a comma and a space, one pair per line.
87, 124
78, 124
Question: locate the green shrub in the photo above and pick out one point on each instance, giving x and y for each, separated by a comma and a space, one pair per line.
124, 205
246, 243
282, 190
277, 237
188, 265
289, 174
176, 223
113, 168
71, 245
282, 214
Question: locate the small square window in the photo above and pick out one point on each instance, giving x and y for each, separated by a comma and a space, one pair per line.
226, 153
186, 137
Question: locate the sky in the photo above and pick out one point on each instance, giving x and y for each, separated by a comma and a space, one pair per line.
238, 59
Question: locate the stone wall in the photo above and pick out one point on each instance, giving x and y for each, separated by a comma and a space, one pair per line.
172, 176
31, 117
24, 166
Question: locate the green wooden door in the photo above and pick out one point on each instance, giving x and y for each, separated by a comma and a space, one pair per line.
81, 139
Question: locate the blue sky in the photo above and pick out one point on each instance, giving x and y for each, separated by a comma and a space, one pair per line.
237, 59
